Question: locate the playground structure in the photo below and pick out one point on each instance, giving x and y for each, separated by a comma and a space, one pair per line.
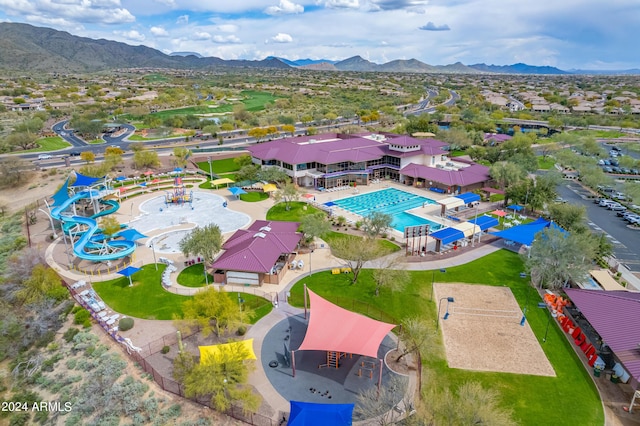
77, 207
179, 194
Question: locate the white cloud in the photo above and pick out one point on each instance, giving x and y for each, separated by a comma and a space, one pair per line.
340, 4
159, 32
201, 35
170, 3
132, 35
106, 12
226, 28
285, 7
433, 27
282, 38
183, 19
225, 39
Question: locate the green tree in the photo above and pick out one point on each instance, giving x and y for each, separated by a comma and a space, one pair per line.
225, 381
203, 241
417, 337
243, 160
376, 223
181, 156
315, 225
390, 274
24, 140
287, 193
506, 173
355, 251
13, 171
569, 216
470, 405
109, 226
43, 283
212, 310
556, 257
145, 158
273, 174
249, 172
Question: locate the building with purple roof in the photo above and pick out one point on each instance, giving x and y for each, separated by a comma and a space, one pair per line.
257, 255
333, 160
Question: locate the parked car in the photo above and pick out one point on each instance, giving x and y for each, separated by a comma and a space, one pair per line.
607, 169
605, 202
617, 208
74, 153
45, 157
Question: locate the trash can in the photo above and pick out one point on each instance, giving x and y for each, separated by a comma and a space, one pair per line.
596, 372
614, 379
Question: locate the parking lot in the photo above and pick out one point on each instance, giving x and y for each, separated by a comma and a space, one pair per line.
625, 240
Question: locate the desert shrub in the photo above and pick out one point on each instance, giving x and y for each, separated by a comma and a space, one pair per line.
242, 330
165, 349
70, 334
81, 316
125, 324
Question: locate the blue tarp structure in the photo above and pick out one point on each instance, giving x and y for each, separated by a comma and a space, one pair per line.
82, 180
448, 235
524, 234
468, 197
515, 207
312, 414
484, 222
131, 235
121, 178
237, 191
128, 271
62, 195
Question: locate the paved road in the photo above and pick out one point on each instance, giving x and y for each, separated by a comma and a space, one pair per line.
625, 241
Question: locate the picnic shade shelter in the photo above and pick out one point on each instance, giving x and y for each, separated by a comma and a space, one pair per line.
222, 181
337, 330
270, 187
314, 414
525, 233
128, 272
236, 190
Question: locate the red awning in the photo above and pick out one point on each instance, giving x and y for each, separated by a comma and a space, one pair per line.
332, 328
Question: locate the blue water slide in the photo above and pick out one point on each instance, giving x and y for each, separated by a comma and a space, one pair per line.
126, 247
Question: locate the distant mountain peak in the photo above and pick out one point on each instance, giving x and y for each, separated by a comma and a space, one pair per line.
196, 54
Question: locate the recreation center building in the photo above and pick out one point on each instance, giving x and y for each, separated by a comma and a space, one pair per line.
335, 160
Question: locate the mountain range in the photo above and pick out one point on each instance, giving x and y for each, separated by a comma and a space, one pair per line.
25, 47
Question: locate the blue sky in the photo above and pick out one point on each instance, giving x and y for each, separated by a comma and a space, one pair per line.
586, 34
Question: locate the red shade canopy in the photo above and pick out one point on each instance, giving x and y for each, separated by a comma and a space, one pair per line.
332, 328
500, 213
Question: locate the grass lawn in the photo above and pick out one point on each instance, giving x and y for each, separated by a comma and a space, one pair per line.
294, 214
225, 165
193, 276
545, 163
148, 300
252, 197
299, 209
53, 143
535, 400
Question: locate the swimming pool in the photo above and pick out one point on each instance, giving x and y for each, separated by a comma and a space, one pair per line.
390, 201
207, 209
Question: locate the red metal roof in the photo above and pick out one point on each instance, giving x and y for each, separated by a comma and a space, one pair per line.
615, 316
257, 248
332, 328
